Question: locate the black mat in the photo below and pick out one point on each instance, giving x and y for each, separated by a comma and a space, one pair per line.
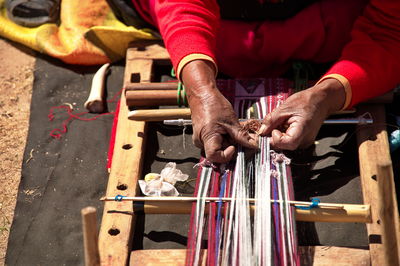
61, 176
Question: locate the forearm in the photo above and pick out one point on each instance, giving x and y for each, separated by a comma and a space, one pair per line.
370, 62
188, 28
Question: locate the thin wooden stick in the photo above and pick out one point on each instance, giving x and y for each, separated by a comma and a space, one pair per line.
90, 239
159, 114
224, 199
175, 113
153, 86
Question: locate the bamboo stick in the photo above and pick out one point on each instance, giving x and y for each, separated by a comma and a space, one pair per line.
346, 213
325, 212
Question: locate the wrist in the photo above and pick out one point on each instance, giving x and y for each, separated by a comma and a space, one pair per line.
198, 76
333, 94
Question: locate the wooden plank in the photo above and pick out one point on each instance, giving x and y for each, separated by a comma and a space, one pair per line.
373, 149
118, 219
147, 49
330, 255
318, 255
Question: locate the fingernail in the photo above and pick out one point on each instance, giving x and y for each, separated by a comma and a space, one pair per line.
262, 129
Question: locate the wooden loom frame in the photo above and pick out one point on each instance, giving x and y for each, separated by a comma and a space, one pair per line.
118, 219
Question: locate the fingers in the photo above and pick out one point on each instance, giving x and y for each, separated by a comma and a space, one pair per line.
219, 148
215, 151
242, 137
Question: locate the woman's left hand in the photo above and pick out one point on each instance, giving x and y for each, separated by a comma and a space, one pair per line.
296, 122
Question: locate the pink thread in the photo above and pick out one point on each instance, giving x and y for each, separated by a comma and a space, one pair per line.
57, 132
279, 158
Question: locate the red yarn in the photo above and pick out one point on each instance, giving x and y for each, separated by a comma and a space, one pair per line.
57, 132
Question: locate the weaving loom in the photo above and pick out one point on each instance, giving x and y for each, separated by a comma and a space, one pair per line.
119, 216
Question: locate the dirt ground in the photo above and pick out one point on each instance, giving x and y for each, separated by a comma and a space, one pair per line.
16, 77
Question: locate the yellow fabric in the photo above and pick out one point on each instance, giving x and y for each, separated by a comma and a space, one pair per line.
88, 34
346, 85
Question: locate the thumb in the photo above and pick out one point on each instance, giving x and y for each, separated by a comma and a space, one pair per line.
272, 121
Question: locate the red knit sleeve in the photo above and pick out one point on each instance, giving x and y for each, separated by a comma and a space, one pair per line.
188, 27
371, 60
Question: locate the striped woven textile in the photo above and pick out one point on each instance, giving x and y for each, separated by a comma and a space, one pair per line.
235, 235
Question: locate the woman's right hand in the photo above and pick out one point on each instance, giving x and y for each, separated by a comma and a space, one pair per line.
216, 128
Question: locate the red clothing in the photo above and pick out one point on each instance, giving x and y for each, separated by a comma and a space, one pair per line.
369, 59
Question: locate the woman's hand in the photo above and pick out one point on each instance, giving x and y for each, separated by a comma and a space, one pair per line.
296, 122
215, 126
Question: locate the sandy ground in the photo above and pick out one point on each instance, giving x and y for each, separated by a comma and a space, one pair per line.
16, 76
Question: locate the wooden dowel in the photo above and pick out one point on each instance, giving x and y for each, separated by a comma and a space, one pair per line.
90, 238
153, 86
142, 98
348, 213
159, 114
389, 218
158, 94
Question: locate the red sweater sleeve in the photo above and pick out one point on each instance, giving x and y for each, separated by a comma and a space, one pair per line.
188, 27
371, 60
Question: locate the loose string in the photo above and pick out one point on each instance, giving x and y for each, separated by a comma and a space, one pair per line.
58, 132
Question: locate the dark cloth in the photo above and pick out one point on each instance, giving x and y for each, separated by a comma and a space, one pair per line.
64, 175
256, 10
125, 11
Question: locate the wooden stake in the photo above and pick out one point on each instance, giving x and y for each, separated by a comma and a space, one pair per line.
90, 239
373, 149
389, 216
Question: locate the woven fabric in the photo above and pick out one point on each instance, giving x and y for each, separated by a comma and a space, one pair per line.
250, 98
